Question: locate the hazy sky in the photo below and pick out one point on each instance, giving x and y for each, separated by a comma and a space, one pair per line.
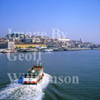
79, 18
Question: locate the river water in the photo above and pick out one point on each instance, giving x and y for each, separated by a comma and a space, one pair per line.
83, 64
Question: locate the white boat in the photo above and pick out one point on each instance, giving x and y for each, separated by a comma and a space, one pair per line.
34, 75
48, 50
8, 51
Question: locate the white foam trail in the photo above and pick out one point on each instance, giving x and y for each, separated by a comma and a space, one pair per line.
17, 91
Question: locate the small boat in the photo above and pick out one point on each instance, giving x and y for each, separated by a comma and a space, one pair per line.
8, 51
29, 50
22, 50
34, 75
48, 50
5, 51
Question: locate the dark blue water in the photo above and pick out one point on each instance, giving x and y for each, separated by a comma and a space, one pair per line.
84, 64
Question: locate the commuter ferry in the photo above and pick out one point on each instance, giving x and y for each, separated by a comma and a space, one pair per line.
34, 75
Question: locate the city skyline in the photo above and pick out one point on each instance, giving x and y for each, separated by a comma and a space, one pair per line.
80, 19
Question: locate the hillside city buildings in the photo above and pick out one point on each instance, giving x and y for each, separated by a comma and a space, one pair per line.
18, 41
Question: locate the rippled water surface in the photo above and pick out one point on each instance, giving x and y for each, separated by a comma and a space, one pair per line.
84, 64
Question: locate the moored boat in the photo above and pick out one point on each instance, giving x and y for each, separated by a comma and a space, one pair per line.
5, 51
8, 51
48, 50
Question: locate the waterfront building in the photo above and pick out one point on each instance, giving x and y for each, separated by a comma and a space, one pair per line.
64, 40
10, 45
29, 45
7, 45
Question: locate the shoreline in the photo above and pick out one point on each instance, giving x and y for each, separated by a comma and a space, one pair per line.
34, 50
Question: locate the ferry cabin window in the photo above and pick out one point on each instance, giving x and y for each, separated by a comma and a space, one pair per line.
30, 75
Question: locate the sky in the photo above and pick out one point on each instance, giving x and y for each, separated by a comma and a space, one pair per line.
78, 18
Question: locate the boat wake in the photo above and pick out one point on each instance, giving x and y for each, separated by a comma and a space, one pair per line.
16, 91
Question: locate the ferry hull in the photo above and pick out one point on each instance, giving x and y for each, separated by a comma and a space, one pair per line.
33, 81
34, 75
